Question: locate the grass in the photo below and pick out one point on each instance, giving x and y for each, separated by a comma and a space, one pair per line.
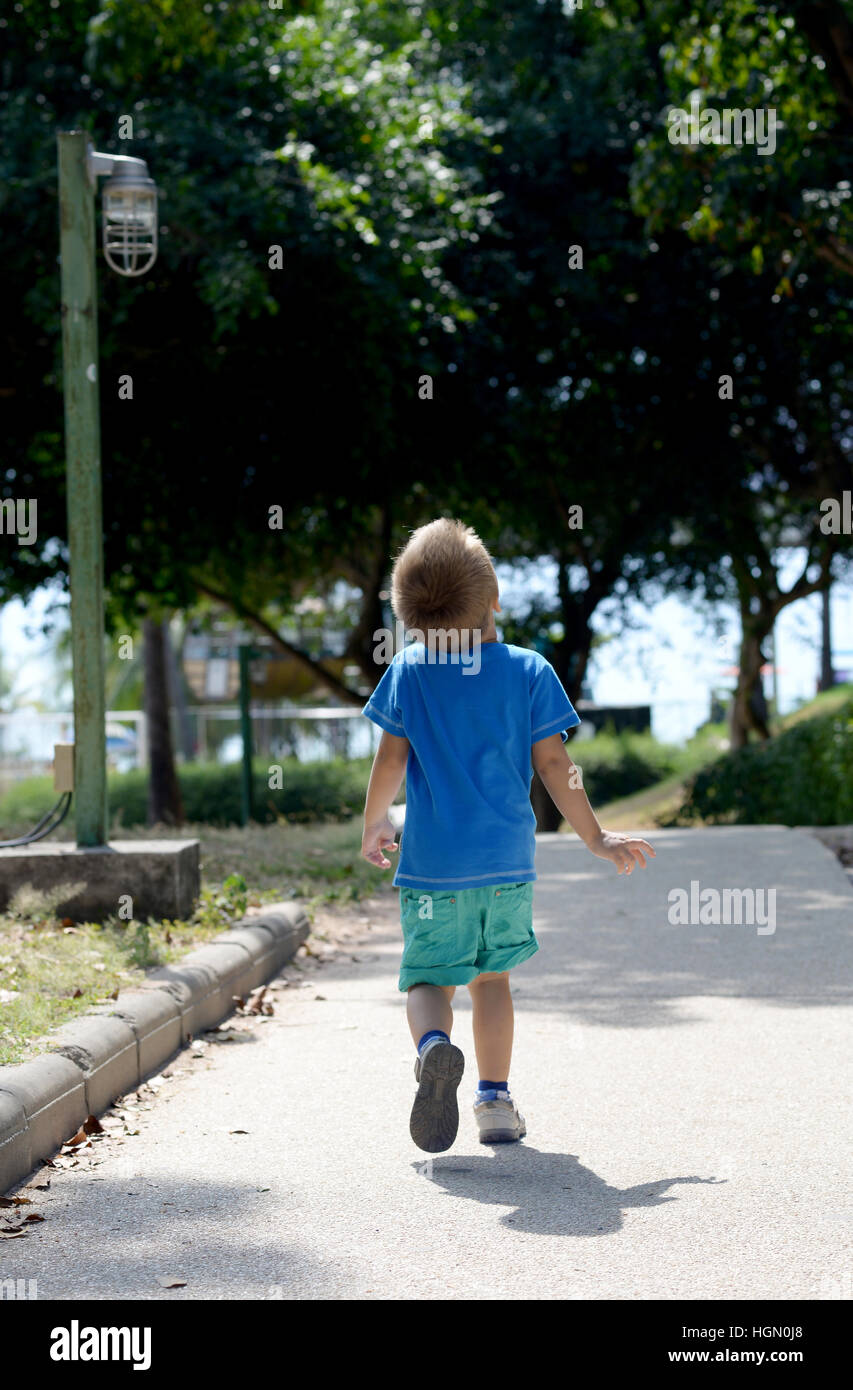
827, 702
656, 806
649, 809
53, 969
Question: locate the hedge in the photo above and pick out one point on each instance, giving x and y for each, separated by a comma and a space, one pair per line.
616, 765
310, 791
804, 776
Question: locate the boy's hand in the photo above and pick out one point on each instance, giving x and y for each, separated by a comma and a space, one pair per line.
626, 851
376, 838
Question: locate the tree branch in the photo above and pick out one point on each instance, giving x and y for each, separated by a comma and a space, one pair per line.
331, 681
830, 34
830, 249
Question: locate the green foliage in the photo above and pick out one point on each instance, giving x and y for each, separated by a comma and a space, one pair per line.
315, 791
615, 765
142, 953
234, 895
794, 203
802, 777
303, 128
425, 172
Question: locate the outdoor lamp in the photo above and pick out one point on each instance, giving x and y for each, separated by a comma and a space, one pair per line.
129, 212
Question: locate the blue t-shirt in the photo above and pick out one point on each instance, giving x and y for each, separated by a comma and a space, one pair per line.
469, 821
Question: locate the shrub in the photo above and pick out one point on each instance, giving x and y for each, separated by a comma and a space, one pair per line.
804, 776
616, 765
332, 790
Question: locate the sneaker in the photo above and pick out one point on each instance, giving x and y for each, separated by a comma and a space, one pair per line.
435, 1114
498, 1118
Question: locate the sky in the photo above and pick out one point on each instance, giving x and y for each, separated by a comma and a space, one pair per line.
671, 658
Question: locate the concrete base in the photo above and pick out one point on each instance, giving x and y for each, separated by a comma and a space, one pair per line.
162, 877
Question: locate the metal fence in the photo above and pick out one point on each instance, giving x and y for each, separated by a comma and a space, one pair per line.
279, 731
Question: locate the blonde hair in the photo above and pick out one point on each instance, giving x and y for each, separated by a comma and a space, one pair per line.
443, 578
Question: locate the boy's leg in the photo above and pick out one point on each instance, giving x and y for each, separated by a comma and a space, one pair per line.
491, 1002
428, 1007
498, 1118
438, 1068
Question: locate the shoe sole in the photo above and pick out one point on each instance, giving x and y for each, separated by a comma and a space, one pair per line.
501, 1136
434, 1122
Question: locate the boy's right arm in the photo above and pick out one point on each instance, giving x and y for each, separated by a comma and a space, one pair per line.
563, 782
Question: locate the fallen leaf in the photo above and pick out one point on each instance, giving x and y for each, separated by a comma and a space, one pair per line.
34, 1216
78, 994
238, 1131
256, 998
92, 1125
320, 996
171, 1281
15, 1201
79, 1140
114, 994
12, 1235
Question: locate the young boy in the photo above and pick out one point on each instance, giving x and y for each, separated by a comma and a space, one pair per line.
462, 715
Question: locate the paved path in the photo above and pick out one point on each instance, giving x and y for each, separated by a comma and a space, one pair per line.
686, 1090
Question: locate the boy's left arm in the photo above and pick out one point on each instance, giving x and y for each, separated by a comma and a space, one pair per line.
386, 775
557, 771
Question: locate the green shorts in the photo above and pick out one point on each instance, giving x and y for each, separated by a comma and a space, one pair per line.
451, 937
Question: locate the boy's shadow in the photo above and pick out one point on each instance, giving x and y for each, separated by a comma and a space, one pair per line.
551, 1193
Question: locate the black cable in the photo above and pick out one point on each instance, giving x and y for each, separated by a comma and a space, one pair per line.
37, 833
45, 818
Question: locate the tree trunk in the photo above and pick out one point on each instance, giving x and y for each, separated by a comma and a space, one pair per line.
570, 660
178, 697
164, 794
362, 643
827, 675
748, 712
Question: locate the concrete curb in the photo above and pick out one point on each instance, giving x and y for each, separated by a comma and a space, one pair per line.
105, 1054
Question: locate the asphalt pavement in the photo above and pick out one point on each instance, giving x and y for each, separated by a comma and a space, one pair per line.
686, 1087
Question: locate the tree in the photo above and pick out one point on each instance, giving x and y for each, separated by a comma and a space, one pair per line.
327, 158
164, 793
